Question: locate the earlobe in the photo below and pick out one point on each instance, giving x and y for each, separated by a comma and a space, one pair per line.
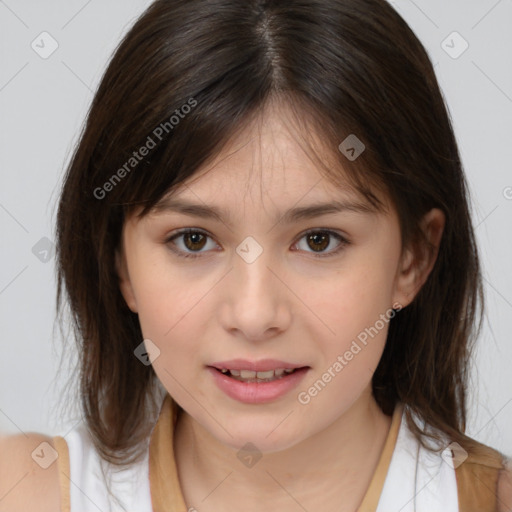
417, 262
124, 281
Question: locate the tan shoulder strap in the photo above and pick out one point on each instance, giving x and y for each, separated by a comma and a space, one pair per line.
63, 464
477, 480
166, 492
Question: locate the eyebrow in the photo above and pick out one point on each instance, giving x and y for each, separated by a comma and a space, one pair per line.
290, 216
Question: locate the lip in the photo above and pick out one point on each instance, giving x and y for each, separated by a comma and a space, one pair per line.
263, 365
258, 392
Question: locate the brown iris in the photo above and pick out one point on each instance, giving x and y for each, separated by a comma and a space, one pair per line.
198, 240
321, 241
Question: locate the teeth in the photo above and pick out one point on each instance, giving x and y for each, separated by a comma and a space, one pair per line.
265, 375
252, 376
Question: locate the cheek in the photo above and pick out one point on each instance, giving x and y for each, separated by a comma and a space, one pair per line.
355, 314
353, 297
171, 305
165, 310
171, 318
354, 307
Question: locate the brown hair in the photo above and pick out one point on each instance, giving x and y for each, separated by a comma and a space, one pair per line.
344, 67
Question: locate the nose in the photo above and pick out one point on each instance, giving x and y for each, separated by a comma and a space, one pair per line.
257, 302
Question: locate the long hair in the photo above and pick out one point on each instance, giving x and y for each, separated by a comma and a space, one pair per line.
186, 77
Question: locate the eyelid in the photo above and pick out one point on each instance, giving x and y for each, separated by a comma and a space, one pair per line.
342, 239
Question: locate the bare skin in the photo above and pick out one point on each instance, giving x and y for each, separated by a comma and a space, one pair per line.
284, 480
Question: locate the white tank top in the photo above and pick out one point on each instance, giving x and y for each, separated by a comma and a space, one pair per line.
89, 475
417, 479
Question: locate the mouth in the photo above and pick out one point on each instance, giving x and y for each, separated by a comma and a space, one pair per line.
257, 382
251, 376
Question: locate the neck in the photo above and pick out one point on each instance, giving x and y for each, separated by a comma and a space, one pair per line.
333, 467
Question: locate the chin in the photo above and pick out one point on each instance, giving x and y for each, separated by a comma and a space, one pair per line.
262, 437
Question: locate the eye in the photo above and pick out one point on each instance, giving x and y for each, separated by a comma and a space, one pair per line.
319, 240
194, 240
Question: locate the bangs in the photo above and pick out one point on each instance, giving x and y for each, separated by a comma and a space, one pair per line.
318, 136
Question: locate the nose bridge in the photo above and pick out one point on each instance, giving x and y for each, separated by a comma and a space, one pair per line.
252, 267
257, 300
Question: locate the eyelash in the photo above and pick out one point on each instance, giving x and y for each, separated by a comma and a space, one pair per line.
343, 242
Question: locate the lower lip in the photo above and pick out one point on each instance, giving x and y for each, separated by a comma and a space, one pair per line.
257, 392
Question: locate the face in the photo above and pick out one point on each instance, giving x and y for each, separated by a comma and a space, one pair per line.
314, 292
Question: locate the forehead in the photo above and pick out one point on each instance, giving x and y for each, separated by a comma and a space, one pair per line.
269, 157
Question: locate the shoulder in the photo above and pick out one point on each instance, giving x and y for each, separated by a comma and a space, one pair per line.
504, 488
484, 475
28, 472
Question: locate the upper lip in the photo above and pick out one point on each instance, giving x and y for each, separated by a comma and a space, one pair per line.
262, 365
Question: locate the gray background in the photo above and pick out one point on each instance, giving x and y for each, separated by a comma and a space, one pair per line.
43, 103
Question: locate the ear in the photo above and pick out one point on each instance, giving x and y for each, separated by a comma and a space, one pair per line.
125, 284
417, 261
